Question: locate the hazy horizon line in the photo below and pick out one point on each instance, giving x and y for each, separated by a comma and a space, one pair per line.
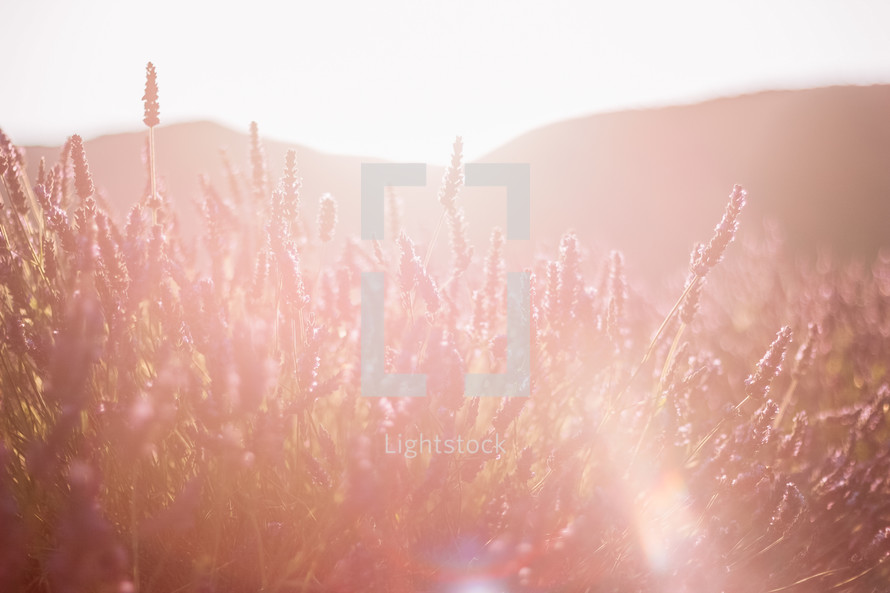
44, 139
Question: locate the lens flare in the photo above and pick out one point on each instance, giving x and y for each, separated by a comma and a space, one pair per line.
662, 521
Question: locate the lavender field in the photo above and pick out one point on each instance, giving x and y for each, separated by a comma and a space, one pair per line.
185, 414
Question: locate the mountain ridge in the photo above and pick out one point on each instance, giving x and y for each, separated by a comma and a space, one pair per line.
649, 182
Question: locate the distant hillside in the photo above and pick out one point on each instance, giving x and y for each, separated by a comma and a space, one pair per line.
185, 151
651, 182
648, 182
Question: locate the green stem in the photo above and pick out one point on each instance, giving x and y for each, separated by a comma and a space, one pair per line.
151, 167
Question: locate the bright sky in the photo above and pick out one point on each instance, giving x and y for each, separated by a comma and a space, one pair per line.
399, 79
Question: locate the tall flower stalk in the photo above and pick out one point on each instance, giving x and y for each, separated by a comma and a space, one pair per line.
151, 119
